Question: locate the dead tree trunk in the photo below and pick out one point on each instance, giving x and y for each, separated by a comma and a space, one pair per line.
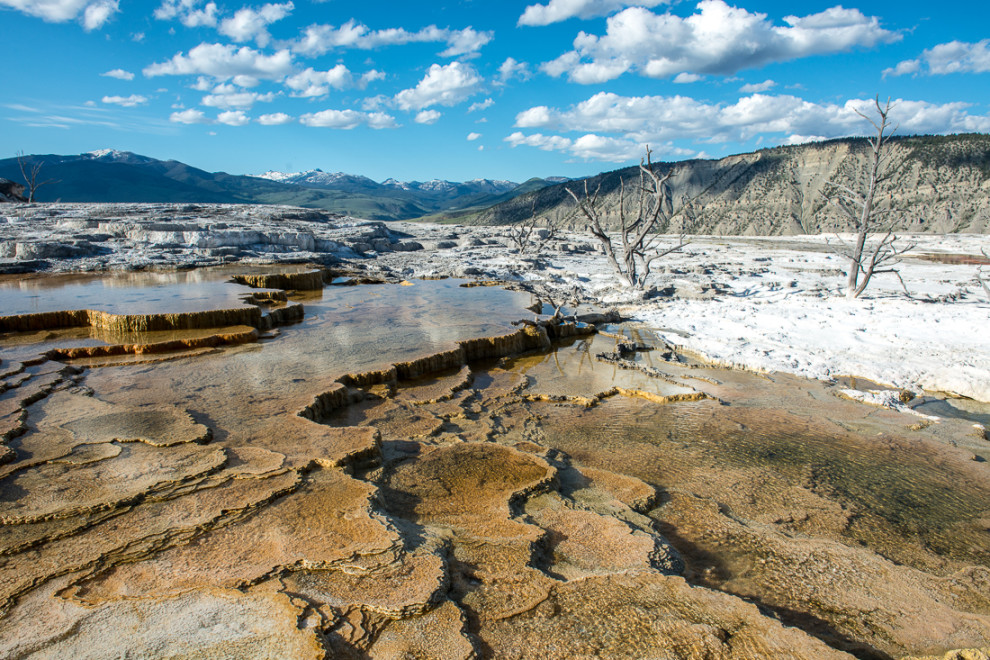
869, 218
534, 235
30, 172
981, 278
632, 260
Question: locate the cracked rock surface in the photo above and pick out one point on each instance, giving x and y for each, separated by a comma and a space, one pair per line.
482, 490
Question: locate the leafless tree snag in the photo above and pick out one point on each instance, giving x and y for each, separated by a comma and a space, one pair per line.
639, 232
982, 278
532, 236
557, 298
30, 172
870, 215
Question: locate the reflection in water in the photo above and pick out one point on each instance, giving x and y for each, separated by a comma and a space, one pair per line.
145, 292
347, 329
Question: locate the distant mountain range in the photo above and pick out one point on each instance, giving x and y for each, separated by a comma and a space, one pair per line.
436, 187
942, 184
108, 175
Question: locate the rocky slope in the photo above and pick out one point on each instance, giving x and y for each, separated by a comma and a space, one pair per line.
11, 191
941, 184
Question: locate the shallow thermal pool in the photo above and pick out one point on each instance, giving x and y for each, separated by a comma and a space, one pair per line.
142, 292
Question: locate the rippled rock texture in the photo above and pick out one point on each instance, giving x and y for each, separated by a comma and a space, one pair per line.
534, 494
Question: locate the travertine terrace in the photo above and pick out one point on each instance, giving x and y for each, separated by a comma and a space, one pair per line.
415, 468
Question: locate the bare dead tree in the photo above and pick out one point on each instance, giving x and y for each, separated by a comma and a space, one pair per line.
982, 278
639, 231
533, 235
871, 216
31, 171
556, 297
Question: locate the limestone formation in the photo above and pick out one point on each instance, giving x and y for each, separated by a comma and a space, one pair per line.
305, 281
508, 495
209, 623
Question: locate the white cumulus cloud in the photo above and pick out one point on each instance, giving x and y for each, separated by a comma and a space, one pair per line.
223, 61
126, 101
347, 119
227, 99
510, 69
471, 137
639, 120
190, 116
446, 85
427, 116
311, 82
97, 14
951, 57
188, 12
119, 74
593, 147
233, 118
92, 14
717, 39
274, 119
754, 88
540, 141
481, 105
249, 23
319, 39
561, 10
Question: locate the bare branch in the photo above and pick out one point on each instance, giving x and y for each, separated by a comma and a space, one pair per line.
866, 212
31, 172
980, 277
639, 227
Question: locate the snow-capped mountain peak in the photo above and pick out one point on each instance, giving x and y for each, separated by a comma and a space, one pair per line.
109, 154
272, 175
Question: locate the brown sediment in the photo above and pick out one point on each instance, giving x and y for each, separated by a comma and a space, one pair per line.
327, 523
231, 337
133, 323
527, 338
272, 297
587, 402
659, 398
438, 388
29, 390
336, 397
246, 626
474, 283
591, 402
305, 281
132, 359
125, 323
957, 654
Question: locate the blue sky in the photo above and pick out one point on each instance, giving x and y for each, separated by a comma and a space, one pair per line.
477, 89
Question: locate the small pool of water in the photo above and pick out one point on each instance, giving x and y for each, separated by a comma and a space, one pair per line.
145, 292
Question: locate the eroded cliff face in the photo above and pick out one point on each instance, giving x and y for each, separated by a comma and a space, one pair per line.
941, 184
